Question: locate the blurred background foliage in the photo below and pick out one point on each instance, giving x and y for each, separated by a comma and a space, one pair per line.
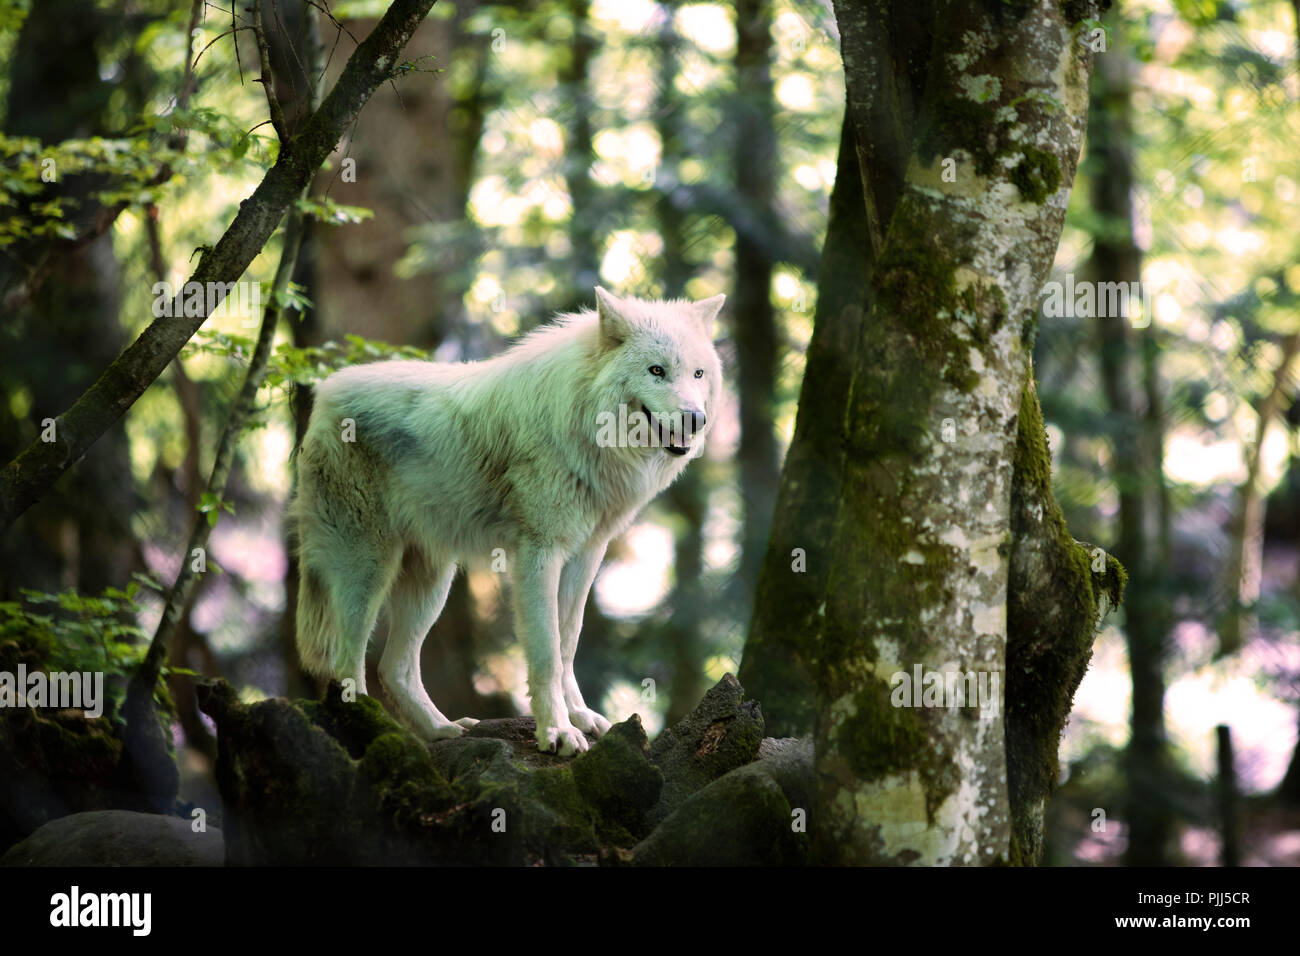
665, 149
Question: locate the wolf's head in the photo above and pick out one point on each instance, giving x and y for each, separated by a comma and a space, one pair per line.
661, 365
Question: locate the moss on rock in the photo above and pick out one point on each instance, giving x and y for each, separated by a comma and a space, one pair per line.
619, 782
741, 819
722, 733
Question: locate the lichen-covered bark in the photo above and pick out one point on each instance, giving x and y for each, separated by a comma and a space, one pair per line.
1059, 590
919, 554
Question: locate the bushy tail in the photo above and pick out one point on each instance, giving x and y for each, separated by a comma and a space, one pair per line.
317, 626
317, 632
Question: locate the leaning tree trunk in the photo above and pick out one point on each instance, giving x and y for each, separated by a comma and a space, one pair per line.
965, 140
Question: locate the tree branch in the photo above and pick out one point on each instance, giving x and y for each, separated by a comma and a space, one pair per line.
25, 479
264, 55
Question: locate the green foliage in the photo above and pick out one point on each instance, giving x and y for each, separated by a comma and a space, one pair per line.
13, 13
292, 299
326, 210
124, 168
81, 632
126, 165
291, 364
212, 506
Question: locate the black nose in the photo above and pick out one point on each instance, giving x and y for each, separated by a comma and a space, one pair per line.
694, 418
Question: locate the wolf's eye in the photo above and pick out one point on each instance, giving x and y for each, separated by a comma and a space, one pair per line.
657, 371
699, 373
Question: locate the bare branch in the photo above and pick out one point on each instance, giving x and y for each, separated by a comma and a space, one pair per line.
267, 80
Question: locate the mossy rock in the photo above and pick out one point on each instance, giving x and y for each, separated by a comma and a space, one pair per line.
353, 723
335, 781
722, 733
285, 783
619, 782
741, 819
53, 763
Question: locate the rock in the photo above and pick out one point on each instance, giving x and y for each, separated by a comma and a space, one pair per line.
285, 782
53, 763
744, 818
789, 761
619, 782
721, 734
741, 819
336, 781
118, 838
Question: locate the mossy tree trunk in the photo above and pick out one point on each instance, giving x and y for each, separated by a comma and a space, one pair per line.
1136, 437
786, 601
962, 135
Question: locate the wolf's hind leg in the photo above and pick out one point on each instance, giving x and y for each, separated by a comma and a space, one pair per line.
575, 584
417, 599
352, 582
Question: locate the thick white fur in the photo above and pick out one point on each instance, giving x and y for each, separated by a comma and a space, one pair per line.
453, 461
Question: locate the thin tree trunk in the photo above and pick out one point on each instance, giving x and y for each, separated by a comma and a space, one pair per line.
753, 321
146, 765
1136, 475
1244, 571
688, 496
578, 156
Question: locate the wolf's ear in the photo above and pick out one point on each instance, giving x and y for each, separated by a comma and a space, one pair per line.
614, 327
706, 311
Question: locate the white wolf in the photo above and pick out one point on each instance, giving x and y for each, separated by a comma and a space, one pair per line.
409, 469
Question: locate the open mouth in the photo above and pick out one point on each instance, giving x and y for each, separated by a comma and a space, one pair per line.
665, 435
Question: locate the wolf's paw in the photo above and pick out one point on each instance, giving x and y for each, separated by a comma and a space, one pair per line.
588, 721
433, 732
466, 722
564, 741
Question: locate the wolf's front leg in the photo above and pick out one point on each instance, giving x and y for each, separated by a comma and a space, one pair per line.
536, 597
575, 584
